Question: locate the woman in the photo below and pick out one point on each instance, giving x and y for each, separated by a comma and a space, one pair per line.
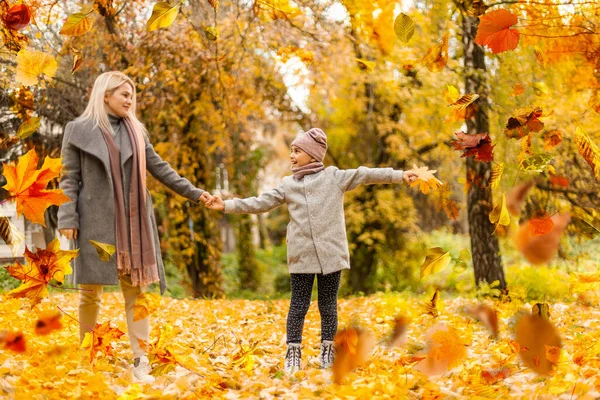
106, 153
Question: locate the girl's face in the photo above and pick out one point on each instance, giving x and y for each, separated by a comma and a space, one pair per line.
119, 101
299, 157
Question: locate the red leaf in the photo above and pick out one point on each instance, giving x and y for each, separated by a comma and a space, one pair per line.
495, 33
17, 17
523, 121
494, 375
540, 223
478, 145
559, 180
14, 341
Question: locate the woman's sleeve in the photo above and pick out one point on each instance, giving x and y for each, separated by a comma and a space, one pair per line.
348, 179
70, 179
256, 205
166, 175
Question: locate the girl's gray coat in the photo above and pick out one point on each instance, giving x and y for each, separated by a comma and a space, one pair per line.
87, 181
316, 233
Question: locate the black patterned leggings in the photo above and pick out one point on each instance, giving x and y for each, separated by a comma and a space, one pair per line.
327, 286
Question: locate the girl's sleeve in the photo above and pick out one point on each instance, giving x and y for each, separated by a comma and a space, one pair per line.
166, 175
256, 205
348, 179
68, 218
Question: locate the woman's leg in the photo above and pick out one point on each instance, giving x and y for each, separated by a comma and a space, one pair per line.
301, 291
89, 307
139, 330
328, 286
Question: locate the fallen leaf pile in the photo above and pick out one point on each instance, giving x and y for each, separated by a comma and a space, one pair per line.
235, 349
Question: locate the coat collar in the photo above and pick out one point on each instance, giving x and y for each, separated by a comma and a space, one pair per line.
88, 137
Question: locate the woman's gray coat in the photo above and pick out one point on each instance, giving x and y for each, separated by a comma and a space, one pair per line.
86, 179
316, 235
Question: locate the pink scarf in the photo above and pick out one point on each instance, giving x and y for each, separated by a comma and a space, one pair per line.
308, 169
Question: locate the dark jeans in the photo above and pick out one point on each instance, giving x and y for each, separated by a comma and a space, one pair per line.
327, 286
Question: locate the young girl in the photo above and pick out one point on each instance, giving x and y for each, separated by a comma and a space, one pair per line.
316, 235
106, 153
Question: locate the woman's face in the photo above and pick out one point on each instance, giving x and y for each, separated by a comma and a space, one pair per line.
119, 102
299, 157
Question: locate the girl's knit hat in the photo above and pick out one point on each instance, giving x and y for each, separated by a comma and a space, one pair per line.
313, 142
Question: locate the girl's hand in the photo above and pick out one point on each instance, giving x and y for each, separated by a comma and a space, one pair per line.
206, 198
409, 176
69, 233
217, 203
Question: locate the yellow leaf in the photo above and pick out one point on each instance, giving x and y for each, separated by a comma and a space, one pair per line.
499, 215
464, 101
437, 55
366, 64
31, 64
163, 15
214, 4
588, 150
76, 25
404, 27
212, 33
77, 59
28, 127
105, 251
436, 260
496, 175
146, 304
425, 179
450, 94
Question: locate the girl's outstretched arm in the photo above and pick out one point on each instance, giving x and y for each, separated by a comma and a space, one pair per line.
256, 205
348, 179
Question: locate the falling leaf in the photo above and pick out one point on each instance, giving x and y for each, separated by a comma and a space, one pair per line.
100, 339
212, 33
146, 304
478, 145
517, 90
48, 322
523, 121
541, 249
496, 175
425, 179
404, 27
541, 310
494, 31
487, 315
245, 356
450, 94
540, 223
534, 334
17, 17
552, 139
401, 323
105, 250
31, 64
445, 350
10, 234
163, 15
14, 341
588, 150
559, 181
366, 64
492, 376
499, 215
27, 185
540, 89
76, 25
436, 57
536, 162
42, 267
28, 127
353, 347
540, 57
77, 59
431, 305
516, 196
436, 260
464, 101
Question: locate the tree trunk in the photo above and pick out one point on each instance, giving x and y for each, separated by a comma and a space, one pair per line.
487, 263
250, 277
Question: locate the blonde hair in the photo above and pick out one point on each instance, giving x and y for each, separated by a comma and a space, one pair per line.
95, 110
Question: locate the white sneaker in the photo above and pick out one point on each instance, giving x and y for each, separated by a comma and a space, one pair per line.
293, 357
141, 370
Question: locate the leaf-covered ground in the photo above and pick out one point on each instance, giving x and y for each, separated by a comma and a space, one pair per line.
214, 339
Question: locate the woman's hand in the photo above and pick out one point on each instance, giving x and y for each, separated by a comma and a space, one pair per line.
69, 233
409, 176
206, 198
217, 203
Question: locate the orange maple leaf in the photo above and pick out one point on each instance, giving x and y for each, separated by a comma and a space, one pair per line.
48, 321
100, 339
27, 185
425, 179
540, 223
42, 267
353, 346
14, 341
495, 33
